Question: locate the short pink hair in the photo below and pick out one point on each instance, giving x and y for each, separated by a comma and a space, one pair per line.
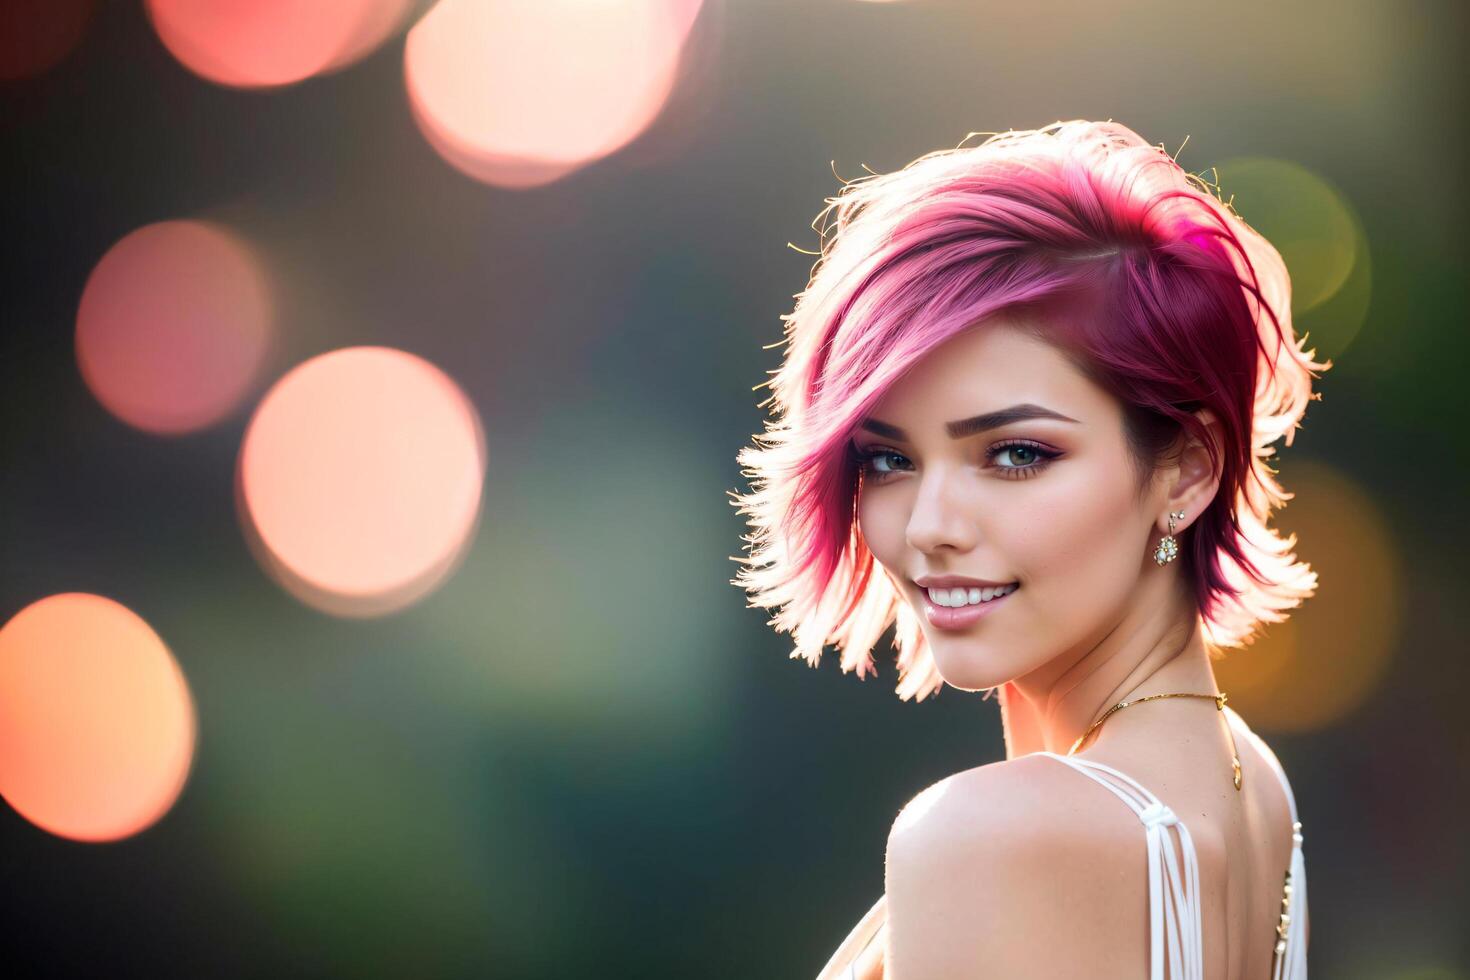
1187, 308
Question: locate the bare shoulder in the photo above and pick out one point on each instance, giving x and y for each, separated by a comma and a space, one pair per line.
1032, 799
1017, 865
999, 791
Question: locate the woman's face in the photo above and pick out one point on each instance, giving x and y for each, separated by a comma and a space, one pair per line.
1048, 504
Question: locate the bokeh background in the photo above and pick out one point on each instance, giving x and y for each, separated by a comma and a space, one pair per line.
526, 263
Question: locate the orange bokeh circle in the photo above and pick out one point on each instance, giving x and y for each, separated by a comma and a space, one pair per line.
97, 726
359, 479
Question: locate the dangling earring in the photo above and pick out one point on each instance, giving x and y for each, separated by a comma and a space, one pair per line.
1168, 548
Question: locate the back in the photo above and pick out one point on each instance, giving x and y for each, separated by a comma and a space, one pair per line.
1220, 900
1200, 876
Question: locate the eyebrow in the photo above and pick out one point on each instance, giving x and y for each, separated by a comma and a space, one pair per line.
963, 428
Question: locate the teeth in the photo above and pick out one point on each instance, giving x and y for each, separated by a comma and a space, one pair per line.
969, 597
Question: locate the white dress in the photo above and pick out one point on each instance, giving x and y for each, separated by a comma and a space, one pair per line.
1175, 930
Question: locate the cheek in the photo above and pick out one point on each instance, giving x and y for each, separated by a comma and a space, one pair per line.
882, 528
1077, 541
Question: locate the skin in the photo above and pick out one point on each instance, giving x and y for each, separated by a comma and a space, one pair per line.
1094, 622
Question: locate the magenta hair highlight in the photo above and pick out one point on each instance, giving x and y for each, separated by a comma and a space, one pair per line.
1183, 306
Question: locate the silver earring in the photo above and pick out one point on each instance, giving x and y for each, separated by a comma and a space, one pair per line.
1168, 548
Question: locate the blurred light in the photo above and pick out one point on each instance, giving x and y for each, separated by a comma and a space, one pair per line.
35, 35
263, 43
1319, 235
97, 725
173, 326
1325, 661
691, 111
359, 480
517, 94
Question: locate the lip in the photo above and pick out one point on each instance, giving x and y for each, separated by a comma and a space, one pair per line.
955, 582
950, 618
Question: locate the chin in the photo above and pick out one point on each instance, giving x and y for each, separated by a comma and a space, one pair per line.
969, 670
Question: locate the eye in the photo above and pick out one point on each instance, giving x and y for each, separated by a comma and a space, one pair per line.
1020, 457
878, 462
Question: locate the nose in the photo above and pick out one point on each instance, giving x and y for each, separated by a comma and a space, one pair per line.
941, 515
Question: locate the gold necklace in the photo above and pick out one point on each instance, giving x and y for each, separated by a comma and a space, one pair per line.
1219, 700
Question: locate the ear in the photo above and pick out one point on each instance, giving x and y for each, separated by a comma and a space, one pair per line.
1193, 481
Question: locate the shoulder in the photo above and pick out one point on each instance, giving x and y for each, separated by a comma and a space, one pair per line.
1007, 809
1022, 865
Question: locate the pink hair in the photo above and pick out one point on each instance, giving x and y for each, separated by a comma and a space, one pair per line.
1189, 309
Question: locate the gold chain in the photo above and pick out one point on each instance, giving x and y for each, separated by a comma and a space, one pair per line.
1219, 700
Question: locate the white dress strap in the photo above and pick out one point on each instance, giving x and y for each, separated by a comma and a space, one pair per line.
843, 963
1290, 961
1176, 930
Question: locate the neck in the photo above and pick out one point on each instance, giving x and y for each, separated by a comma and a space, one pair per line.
1158, 648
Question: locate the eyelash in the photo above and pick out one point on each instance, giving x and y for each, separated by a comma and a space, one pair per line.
865, 459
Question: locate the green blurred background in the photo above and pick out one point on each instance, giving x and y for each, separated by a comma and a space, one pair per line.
582, 755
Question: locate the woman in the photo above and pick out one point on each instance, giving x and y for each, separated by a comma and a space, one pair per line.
1034, 383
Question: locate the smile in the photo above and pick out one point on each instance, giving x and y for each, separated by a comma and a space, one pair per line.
955, 609
954, 598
